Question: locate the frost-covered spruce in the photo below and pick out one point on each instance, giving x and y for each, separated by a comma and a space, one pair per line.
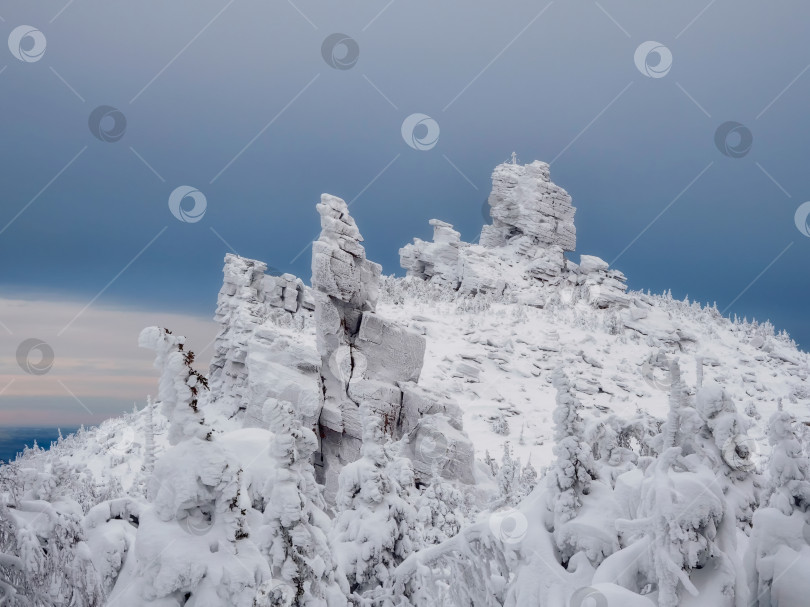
777, 557
193, 540
440, 509
181, 388
44, 557
573, 469
684, 523
295, 535
376, 527
514, 482
789, 467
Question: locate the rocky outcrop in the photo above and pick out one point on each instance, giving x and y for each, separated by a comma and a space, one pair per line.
370, 363
346, 285
240, 311
248, 301
326, 351
532, 227
527, 207
437, 260
602, 286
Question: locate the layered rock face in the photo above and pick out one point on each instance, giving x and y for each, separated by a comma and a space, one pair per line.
367, 361
248, 301
437, 260
532, 227
326, 351
526, 206
240, 310
602, 286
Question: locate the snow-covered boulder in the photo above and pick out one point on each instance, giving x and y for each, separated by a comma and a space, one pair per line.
437, 260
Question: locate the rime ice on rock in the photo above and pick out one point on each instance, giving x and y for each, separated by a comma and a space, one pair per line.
532, 227
365, 359
240, 310
603, 287
257, 354
265, 352
439, 259
526, 206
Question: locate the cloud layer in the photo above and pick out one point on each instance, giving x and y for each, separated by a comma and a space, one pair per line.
98, 369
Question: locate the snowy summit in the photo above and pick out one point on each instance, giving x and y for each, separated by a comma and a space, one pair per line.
503, 426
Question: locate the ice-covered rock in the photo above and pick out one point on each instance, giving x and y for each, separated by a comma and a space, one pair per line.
525, 205
437, 260
603, 287
283, 364
533, 226
346, 285
392, 353
240, 310
365, 359
250, 307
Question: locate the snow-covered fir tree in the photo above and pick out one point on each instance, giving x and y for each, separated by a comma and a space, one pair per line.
376, 527
295, 533
181, 388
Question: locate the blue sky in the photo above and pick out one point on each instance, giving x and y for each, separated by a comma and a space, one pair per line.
235, 99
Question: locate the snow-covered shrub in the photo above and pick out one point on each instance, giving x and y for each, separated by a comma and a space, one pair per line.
573, 469
375, 527
294, 535
194, 539
44, 557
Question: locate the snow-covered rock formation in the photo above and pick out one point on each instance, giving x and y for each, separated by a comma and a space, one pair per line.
532, 227
526, 206
247, 300
325, 351
342, 454
366, 360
